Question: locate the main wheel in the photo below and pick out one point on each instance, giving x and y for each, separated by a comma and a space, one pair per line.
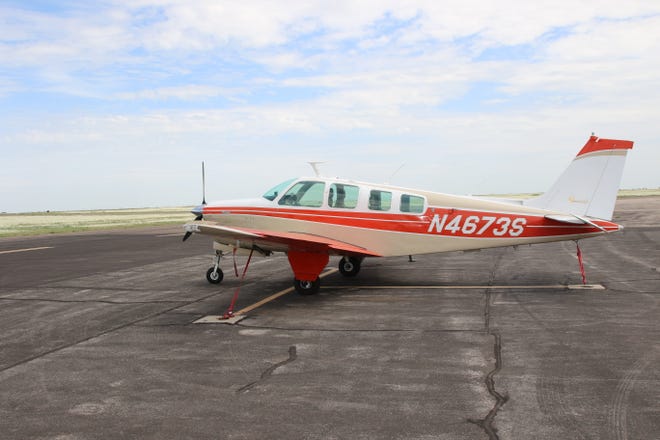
307, 287
349, 266
213, 276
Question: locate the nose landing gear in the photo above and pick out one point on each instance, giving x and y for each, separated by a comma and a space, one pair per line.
214, 275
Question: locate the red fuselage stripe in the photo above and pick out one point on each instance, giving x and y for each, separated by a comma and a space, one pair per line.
435, 221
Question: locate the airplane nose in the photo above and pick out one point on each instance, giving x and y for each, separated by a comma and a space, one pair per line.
198, 210
199, 215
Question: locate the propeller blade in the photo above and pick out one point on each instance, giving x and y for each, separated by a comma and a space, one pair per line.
203, 185
199, 210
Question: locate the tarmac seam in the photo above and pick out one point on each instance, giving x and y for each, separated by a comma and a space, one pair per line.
269, 371
102, 333
4, 298
117, 289
358, 330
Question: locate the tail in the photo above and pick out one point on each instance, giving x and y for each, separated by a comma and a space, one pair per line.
589, 186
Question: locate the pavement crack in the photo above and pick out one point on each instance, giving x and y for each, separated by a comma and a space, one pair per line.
487, 423
500, 399
269, 371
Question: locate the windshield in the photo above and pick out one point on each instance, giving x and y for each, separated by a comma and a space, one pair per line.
272, 193
303, 193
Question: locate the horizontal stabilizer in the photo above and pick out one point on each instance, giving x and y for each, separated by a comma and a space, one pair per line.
571, 219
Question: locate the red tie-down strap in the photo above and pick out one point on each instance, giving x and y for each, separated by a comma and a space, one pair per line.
230, 311
579, 257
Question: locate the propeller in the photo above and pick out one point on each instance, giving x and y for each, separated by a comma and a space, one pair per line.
199, 210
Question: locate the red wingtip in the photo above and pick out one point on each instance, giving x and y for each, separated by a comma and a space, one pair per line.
595, 144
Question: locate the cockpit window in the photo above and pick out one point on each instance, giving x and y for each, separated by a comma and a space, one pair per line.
305, 193
343, 196
272, 193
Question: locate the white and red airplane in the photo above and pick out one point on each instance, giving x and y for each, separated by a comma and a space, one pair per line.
311, 218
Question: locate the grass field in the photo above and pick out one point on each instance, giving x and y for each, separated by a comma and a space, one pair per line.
13, 225
644, 192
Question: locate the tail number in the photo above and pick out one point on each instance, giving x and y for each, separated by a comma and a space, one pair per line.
477, 225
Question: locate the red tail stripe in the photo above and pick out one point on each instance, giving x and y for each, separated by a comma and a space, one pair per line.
595, 144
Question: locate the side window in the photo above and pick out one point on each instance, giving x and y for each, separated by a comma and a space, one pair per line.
307, 194
412, 203
343, 196
380, 200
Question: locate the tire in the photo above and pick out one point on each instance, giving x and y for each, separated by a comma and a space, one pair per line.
349, 266
214, 278
307, 287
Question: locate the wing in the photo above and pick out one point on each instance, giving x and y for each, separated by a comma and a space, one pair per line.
277, 241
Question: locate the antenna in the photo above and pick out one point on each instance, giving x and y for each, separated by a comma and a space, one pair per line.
394, 173
315, 167
203, 185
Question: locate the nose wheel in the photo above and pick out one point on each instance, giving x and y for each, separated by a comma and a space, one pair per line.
214, 275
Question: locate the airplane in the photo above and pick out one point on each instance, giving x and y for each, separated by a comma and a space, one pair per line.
312, 218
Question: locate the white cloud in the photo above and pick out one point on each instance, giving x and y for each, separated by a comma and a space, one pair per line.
260, 87
188, 92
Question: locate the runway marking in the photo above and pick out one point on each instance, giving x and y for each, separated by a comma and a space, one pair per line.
26, 250
541, 286
170, 235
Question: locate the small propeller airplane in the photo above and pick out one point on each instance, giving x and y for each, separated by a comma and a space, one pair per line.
312, 218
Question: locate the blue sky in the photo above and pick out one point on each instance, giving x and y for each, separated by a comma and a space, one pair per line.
114, 104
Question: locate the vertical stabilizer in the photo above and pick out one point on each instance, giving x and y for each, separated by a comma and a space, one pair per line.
589, 186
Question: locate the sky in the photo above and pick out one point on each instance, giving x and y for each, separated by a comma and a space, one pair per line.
115, 104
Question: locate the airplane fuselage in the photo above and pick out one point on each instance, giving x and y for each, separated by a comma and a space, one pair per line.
392, 221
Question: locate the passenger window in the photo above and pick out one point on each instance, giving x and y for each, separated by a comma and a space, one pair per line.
380, 200
343, 196
307, 194
412, 203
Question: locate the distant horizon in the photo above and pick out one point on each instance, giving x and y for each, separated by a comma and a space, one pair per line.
184, 207
116, 103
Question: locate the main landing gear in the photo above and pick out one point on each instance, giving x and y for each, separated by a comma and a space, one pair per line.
350, 266
307, 287
304, 265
